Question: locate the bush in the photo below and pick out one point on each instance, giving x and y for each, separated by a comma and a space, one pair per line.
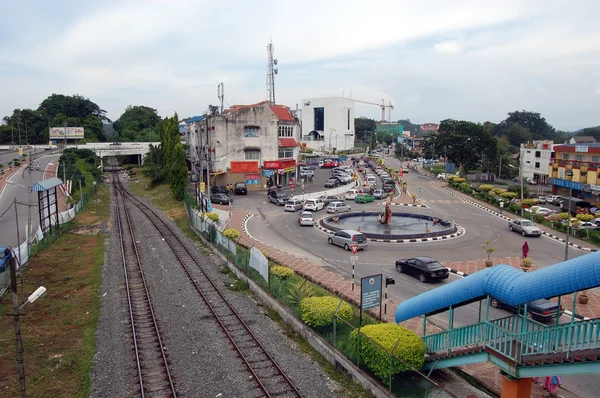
564, 216
410, 350
508, 195
214, 217
584, 217
485, 188
232, 234
281, 271
458, 180
319, 311
465, 187
529, 202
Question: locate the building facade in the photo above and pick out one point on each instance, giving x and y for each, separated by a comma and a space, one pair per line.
584, 162
328, 124
247, 143
536, 160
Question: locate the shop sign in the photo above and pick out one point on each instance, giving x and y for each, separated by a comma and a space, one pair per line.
581, 148
289, 169
246, 166
280, 171
272, 164
268, 173
595, 187
252, 179
288, 164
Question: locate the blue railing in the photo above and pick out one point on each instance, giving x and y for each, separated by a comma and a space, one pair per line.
516, 337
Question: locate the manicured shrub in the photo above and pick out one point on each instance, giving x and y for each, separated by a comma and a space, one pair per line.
584, 217
485, 188
319, 311
214, 217
459, 180
564, 216
410, 349
529, 202
281, 271
508, 195
231, 233
498, 191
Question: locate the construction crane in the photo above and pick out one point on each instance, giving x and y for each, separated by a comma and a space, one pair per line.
382, 106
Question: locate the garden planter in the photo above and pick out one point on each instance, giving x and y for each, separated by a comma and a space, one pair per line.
582, 298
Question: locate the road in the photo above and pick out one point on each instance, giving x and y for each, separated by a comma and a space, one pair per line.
271, 224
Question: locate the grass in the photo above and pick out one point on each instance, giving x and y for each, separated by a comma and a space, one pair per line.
59, 329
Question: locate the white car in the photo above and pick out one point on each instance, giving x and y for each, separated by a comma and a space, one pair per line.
338, 207
306, 218
314, 204
538, 210
293, 205
351, 194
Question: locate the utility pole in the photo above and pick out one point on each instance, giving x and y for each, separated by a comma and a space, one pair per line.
17, 314
207, 185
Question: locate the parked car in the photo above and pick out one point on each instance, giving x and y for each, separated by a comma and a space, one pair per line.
379, 194
554, 199
588, 225
540, 310
306, 218
542, 200
278, 197
347, 237
293, 205
351, 194
219, 189
441, 176
314, 204
364, 198
343, 179
308, 174
524, 227
194, 178
538, 210
332, 183
328, 199
241, 188
531, 181
338, 207
221, 198
425, 268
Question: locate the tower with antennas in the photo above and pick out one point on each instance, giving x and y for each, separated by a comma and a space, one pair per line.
271, 72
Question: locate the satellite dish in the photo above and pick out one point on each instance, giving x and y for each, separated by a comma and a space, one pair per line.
275, 61
275, 71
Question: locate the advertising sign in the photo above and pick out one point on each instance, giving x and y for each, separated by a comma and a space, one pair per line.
370, 291
244, 166
66, 133
267, 173
252, 179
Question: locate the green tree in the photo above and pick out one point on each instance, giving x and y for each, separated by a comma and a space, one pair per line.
153, 165
533, 122
138, 123
466, 143
592, 132
373, 141
415, 129
169, 132
178, 172
363, 127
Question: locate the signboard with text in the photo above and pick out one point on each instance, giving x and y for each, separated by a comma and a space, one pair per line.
66, 133
370, 291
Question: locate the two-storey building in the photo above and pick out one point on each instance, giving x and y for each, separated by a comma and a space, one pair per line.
583, 161
248, 143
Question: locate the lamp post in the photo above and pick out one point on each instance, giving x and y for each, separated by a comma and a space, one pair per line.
569, 173
521, 177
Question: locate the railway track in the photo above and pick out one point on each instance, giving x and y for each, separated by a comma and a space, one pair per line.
154, 378
268, 378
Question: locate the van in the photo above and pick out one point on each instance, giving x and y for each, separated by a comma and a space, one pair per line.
241, 188
371, 180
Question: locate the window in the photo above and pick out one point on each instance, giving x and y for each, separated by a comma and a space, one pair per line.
537, 165
286, 131
565, 156
251, 131
594, 158
252, 154
348, 119
538, 154
286, 153
579, 157
319, 119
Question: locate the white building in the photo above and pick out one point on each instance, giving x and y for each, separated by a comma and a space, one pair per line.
536, 158
247, 143
328, 123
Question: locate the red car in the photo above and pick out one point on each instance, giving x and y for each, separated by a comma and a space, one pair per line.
330, 164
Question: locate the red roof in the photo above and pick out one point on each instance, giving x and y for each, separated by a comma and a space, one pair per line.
282, 112
287, 142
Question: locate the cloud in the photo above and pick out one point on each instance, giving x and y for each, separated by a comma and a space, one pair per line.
432, 59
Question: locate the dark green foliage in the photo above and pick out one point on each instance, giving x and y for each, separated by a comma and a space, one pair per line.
169, 136
154, 165
178, 172
363, 126
377, 342
138, 123
523, 126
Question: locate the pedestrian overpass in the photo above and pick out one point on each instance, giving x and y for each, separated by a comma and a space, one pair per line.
520, 347
108, 149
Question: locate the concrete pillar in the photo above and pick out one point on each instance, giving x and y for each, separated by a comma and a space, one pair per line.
516, 388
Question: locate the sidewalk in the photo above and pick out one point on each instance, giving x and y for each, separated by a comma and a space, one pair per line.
485, 373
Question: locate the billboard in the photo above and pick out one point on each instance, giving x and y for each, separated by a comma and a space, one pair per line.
66, 133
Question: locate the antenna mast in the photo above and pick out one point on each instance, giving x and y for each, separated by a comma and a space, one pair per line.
271, 72
221, 95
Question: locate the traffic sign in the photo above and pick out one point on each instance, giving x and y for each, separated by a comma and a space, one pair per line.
353, 259
354, 248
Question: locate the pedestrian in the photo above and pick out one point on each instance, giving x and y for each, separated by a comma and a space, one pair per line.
501, 206
551, 383
426, 228
228, 188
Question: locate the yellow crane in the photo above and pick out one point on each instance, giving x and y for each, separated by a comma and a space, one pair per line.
383, 106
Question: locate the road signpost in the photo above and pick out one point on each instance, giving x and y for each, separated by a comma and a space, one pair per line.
370, 293
353, 260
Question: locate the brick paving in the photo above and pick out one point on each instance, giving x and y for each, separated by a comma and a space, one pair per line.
486, 373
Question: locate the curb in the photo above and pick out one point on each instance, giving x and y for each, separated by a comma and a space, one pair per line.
7, 178
494, 212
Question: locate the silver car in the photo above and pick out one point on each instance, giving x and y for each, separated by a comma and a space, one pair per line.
348, 237
338, 207
293, 205
524, 227
306, 218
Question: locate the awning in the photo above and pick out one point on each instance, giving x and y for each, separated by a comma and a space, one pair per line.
288, 142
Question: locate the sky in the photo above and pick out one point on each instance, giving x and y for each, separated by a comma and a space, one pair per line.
466, 60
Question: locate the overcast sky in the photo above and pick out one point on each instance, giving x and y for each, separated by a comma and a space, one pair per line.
471, 60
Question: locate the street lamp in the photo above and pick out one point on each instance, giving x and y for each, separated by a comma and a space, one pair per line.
568, 173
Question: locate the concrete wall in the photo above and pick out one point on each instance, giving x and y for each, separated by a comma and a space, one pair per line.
336, 133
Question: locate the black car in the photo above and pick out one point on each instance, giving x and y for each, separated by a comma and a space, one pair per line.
219, 189
425, 268
278, 197
240, 188
540, 310
221, 198
328, 199
332, 183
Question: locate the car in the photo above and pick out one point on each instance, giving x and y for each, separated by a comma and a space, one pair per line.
343, 179
351, 194
338, 207
306, 218
379, 194
219, 189
326, 199
405, 170
314, 204
278, 197
194, 178
524, 227
441, 176
364, 198
240, 188
425, 268
307, 174
542, 200
538, 210
596, 221
540, 310
587, 225
221, 198
366, 189
347, 238
293, 205
531, 181
554, 199
332, 183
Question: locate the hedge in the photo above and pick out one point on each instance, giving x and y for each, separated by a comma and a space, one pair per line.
319, 311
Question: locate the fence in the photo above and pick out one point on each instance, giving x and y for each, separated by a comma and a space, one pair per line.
38, 240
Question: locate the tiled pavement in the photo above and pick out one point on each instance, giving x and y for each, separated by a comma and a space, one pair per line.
486, 373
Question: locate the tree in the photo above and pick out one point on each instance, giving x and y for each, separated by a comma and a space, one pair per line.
465, 143
153, 165
363, 127
178, 172
532, 122
373, 141
138, 123
415, 129
592, 132
169, 129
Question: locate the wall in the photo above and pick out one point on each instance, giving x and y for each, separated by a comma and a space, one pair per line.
336, 132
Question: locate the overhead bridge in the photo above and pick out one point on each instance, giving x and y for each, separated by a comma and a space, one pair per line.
108, 149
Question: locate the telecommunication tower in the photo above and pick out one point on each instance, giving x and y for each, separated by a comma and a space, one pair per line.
271, 72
